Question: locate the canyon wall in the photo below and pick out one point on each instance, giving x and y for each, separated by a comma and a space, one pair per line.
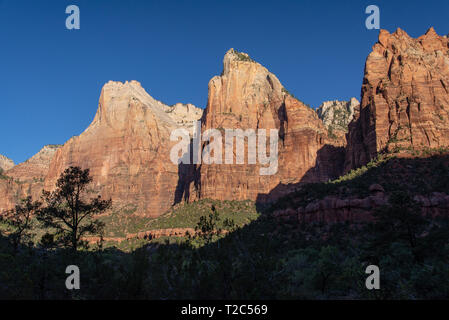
404, 104
127, 148
247, 96
26, 179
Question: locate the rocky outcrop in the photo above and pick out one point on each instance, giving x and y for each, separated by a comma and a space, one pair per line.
9, 193
247, 96
127, 148
333, 209
26, 179
337, 115
405, 104
185, 114
5, 163
35, 168
405, 97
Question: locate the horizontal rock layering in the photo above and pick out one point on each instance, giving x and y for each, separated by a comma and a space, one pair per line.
404, 104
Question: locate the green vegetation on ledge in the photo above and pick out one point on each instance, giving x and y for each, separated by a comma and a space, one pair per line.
261, 256
123, 221
418, 175
242, 56
284, 90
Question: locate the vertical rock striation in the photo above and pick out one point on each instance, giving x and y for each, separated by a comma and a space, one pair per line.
127, 148
248, 96
404, 105
405, 97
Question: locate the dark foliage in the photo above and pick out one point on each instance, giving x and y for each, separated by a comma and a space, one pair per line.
68, 213
265, 259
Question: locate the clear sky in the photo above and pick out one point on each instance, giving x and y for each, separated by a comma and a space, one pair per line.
51, 77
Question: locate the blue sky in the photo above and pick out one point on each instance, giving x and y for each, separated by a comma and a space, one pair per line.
51, 77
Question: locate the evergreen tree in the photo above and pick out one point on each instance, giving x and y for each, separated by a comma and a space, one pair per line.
68, 212
19, 220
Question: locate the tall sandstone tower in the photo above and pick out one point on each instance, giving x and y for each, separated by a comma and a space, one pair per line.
404, 106
127, 148
247, 96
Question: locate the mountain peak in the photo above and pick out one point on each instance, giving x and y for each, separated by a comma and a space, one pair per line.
5, 163
386, 38
410, 76
233, 57
431, 32
119, 85
117, 97
337, 115
36, 166
113, 89
237, 55
401, 33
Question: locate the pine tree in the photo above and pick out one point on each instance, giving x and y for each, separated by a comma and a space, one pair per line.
68, 212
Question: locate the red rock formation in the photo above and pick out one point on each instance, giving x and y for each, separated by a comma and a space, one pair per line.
9, 191
35, 168
248, 96
26, 178
127, 149
405, 97
127, 146
151, 234
405, 103
332, 209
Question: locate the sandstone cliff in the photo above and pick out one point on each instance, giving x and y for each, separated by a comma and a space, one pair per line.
127, 148
333, 209
36, 167
405, 97
26, 178
337, 115
405, 104
248, 96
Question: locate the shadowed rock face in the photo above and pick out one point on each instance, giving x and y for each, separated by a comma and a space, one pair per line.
405, 97
333, 209
336, 116
127, 148
26, 178
248, 96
